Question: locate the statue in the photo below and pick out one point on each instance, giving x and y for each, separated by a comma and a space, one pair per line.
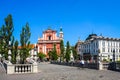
71, 56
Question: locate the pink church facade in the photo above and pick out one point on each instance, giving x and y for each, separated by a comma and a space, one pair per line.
47, 41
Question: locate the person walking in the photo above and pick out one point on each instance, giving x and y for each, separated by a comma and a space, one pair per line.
82, 63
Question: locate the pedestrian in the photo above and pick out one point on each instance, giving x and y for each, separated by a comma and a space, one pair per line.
82, 63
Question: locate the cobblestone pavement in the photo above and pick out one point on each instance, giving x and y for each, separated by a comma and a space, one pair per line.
56, 72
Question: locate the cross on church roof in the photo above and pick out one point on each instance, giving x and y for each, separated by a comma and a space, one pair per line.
49, 28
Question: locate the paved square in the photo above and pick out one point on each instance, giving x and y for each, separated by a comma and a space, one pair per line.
56, 72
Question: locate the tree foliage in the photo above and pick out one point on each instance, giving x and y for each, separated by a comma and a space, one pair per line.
75, 55
61, 50
50, 55
67, 55
25, 43
6, 33
53, 54
15, 51
41, 56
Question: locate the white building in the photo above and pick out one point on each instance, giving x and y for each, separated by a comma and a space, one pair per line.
103, 47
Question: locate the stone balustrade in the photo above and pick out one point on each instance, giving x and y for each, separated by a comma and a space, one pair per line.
20, 68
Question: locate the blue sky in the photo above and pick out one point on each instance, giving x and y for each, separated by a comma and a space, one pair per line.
79, 18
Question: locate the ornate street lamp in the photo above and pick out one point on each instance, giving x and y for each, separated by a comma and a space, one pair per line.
9, 52
99, 57
35, 53
114, 55
100, 67
0, 57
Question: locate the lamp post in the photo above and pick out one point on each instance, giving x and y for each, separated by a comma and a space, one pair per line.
100, 66
9, 52
114, 55
92, 57
35, 53
99, 57
0, 57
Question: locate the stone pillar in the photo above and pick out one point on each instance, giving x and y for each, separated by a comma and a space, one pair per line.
45, 48
9, 53
71, 56
43, 36
55, 35
10, 69
100, 66
35, 68
35, 53
35, 65
38, 49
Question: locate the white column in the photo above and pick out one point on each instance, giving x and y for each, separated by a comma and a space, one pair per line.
38, 49
32, 53
52, 37
55, 35
43, 48
35, 53
35, 68
10, 69
43, 36
100, 45
9, 53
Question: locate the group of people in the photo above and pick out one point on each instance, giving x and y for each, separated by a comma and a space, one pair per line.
82, 62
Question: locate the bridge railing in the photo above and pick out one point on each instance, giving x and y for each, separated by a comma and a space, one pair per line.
23, 68
20, 68
99, 66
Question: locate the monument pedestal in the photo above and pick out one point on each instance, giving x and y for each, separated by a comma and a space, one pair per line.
10, 68
100, 66
35, 67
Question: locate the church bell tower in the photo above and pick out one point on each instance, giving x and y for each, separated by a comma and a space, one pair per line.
61, 34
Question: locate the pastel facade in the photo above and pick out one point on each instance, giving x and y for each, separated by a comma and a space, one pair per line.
103, 47
47, 41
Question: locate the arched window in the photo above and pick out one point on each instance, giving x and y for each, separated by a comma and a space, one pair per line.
49, 37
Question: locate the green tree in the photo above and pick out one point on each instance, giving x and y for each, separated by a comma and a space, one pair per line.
61, 51
67, 55
15, 51
54, 53
25, 43
41, 56
50, 55
1, 41
75, 55
6, 32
